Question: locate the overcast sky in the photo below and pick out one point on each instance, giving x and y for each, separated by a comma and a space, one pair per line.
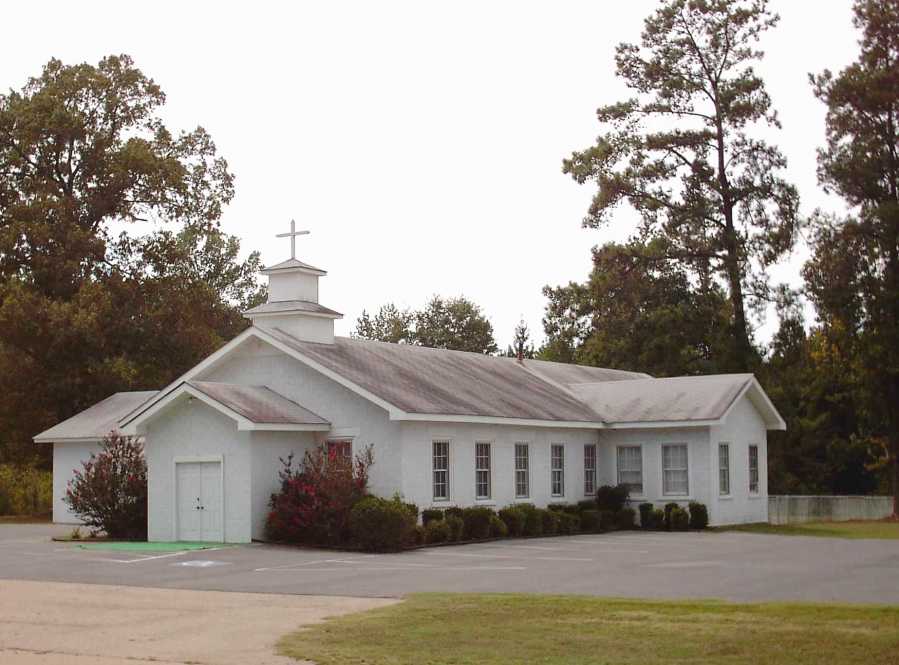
421, 143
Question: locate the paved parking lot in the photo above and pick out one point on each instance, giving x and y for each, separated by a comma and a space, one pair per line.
729, 565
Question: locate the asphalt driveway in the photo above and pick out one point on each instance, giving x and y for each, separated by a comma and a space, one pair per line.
729, 565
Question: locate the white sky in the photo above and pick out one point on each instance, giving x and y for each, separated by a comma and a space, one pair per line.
421, 143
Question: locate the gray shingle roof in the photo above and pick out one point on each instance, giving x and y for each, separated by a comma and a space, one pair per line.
258, 404
283, 306
682, 398
97, 421
421, 380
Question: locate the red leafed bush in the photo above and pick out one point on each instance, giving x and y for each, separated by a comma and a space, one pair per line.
110, 491
314, 503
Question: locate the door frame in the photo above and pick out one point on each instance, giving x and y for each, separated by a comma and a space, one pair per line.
220, 459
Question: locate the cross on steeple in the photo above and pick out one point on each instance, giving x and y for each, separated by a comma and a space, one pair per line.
293, 238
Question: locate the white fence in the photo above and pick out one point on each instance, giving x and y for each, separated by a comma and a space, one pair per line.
795, 509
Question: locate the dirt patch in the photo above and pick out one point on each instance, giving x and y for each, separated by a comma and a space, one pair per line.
44, 623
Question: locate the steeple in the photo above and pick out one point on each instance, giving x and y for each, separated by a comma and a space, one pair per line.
293, 299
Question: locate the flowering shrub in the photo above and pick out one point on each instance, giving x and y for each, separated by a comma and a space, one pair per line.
314, 502
110, 491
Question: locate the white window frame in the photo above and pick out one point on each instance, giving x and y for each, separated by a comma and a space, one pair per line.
753, 483
724, 469
553, 469
524, 470
618, 455
445, 470
589, 469
479, 469
685, 469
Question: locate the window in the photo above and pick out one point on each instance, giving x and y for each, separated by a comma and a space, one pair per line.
675, 476
590, 469
753, 469
558, 470
441, 470
340, 449
724, 469
630, 468
482, 470
522, 473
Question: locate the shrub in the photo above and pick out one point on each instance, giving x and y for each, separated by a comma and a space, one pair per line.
476, 521
110, 491
25, 490
624, 518
498, 528
699, 515
569, 523
533, 521
569, 508
658, 519
437, 531
646, 510
453, 511
418, 535
428, 515
559, 507
550, 520
587, 504
514, 519
668, 508
678, 519
606, 520
612, 497
381, 525
590, 521
315, 500
456, 526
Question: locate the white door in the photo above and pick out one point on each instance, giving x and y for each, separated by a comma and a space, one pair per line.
199, 497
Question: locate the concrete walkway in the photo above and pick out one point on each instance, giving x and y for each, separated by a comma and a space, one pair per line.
51, 623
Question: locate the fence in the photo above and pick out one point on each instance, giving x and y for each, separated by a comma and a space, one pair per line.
796, 509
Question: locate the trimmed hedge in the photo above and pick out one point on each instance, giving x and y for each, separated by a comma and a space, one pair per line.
612, 497
498, 528
699, 515
476, 522
437, 531
590, 521
514, 518
646, 521
569, 523
625, 518
428, 515
658, 519
606, 520
678, 519
668, 508
550, 519
456, 526
382, 525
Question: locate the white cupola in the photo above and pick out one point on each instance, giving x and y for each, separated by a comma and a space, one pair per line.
293, 305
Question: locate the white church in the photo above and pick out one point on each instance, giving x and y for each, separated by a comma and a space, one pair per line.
448, 428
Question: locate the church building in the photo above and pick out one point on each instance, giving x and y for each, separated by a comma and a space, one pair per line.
448, 428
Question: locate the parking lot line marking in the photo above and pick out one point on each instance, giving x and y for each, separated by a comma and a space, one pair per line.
506, 556
146, 558
382, 568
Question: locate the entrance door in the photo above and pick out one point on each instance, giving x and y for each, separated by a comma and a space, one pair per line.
199, 497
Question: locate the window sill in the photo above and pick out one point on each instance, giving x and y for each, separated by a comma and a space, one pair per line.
485, 502
725, 497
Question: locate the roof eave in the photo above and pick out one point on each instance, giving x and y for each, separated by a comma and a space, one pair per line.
496, 420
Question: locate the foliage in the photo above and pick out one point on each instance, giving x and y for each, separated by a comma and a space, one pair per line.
612, 497
568, 523
607, 521
533, 519
590, 521
550, 520
456, 526
437, 531
521, 346
541, 629
625, 518
25, 490
314, 503
476, 522
669, 508
381, 525
678, 519
430, 514
646, 510
443, 323
514, 519
853, 276
682, 152
109, 492
699, 515
87, 306
418, 535
498, 528
658, 519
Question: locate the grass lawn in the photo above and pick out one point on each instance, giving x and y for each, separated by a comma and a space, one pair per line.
472, 629
860, 529
24, 519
